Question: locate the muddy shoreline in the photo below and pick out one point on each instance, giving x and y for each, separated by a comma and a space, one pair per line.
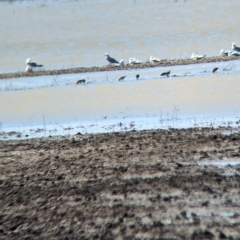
162, 63
126, 185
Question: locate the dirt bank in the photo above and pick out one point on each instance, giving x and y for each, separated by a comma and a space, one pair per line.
162, 63
127, 185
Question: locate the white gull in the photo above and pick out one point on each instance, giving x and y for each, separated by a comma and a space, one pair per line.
195, 56
134, 61
154, 59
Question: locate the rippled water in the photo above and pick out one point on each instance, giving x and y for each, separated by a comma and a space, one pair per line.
63, 34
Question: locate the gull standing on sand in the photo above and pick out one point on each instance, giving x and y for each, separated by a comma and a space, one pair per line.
110, 59
224, 52
134, 61
234, 53
154, 59
31, 65
235, 48
121, 63
195, 56
28, 69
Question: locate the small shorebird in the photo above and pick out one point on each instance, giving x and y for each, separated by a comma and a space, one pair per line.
224, 52
110, 59
235, 48
195, 56
215, 69
121, 78
80, 81
166, 73
154, 59
137, 76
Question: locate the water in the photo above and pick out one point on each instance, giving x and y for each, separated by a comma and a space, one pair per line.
220, 163
110, 105
79, 33
227, 166
194, 97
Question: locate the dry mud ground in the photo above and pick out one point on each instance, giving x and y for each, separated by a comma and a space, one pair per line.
127, 185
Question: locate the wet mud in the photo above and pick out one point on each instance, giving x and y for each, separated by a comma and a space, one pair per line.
126, 185
162, 63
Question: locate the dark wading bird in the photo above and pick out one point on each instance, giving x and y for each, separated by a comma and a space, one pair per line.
215, 69
137, 76
121, 78
80, 81
110, 59
166, 73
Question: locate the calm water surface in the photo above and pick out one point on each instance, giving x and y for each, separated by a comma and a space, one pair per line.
208, 98
63, 34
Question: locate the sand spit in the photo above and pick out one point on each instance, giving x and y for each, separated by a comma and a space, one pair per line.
162, 63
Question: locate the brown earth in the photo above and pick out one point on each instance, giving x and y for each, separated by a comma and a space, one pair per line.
127, 185
162, 63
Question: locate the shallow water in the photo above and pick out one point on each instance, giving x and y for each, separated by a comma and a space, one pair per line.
220, 163
109, 105
79, 33
207, 213
25, 83
199, 96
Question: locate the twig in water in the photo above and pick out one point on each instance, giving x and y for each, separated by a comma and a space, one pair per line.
175, 110
161, 120
229, 67
44, 124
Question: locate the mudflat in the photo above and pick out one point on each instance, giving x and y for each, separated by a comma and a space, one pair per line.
124, 185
